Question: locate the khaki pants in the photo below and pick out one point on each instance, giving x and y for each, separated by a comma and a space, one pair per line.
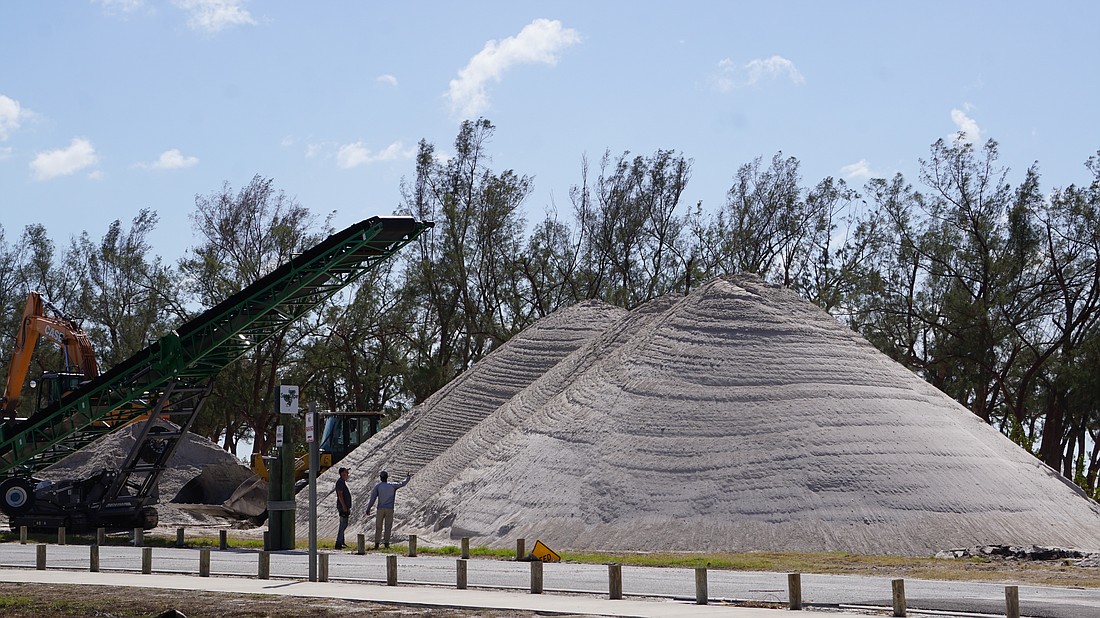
383, 516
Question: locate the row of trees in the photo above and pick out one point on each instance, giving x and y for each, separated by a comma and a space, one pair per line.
987, 289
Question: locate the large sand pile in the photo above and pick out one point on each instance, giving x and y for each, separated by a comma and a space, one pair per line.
738, 418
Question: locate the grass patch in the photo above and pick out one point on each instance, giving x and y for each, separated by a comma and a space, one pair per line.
1051, 573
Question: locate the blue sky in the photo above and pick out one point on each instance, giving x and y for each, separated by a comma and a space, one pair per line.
110, 106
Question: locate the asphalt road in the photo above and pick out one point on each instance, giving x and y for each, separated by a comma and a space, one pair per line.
955, 598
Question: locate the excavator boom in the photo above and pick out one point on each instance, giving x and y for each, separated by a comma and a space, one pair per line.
67, 334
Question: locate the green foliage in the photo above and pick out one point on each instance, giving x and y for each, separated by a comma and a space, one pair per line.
986, 287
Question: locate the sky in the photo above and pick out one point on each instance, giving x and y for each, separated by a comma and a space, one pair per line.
111, 106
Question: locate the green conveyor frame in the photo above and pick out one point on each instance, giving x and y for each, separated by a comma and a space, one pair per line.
200, 348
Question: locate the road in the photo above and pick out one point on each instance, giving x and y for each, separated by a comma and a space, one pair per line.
955, 598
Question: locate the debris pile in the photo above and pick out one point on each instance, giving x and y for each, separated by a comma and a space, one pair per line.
1016, 552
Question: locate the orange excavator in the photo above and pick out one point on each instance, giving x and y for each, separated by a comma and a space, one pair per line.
41, 319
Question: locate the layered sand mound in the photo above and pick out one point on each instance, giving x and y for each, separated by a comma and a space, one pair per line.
738, 418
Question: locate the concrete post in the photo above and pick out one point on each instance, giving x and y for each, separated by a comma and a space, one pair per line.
898, 586
139, 537
322, 567
460, 573
61, 535
263, 570
179, 537
93, 558
361, 539
40, 562
223, 540
146, 560
465, 548
614, 581
520, 551
794, 590
100, 536
412, 545
536, 577
701, 595
1012, 602
391, 570
204, 562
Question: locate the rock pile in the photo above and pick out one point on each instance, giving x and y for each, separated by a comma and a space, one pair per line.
737, 418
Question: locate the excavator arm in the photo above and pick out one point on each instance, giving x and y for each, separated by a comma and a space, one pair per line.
37, 322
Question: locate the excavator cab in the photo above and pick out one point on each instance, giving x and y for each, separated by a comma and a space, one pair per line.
53, 386
344, 431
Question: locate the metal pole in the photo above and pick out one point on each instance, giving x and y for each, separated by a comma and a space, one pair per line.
286, 456
314, 462
274, 490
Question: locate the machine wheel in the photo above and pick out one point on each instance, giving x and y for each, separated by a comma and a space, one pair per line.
16, 496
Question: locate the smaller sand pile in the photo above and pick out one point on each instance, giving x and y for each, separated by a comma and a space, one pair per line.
202, 485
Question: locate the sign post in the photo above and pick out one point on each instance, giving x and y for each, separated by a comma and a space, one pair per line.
280, 506
314, 462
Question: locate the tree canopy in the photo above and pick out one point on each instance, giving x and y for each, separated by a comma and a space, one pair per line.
987, 288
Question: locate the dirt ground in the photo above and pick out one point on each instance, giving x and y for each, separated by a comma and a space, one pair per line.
35, 600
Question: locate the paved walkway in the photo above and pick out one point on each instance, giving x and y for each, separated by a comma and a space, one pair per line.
413, 595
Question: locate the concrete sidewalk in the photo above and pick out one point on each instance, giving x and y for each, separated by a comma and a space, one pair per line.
412, 595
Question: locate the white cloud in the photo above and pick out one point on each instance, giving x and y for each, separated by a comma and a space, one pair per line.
64, 161
387, 79
171, 159
539, 42
967, 129
353, 155
859, 169
5, 153
731, 76
11, 113
215, 15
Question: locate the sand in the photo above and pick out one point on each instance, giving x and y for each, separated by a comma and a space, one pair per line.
738, 418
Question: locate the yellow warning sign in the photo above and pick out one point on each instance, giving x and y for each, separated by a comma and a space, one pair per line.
544, 553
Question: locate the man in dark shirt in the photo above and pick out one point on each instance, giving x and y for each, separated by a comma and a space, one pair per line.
343, 506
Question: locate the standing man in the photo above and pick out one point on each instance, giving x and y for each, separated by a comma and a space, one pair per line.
385, 493
343, 506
